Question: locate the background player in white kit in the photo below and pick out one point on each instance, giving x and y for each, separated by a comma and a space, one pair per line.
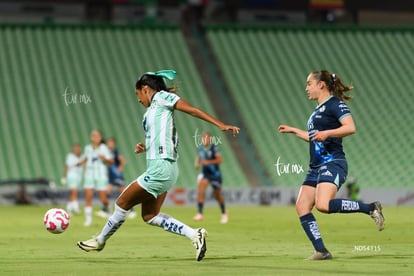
161, 140
97, 157
72, 177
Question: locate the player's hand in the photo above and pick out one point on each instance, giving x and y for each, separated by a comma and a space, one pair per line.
235, 130
320, 136
205, 162
285, 129
140, 147
63, 181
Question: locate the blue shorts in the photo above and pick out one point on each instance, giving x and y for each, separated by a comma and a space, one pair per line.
215, 181
116, 178
334, 172
160, 176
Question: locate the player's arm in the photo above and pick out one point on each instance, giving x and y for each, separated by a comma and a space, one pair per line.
82, 161
122, 163
105, 159
184, 106
347, 128
106, 156
217, 160
301, 134
197, 162
63, 178
140, 147
65, 171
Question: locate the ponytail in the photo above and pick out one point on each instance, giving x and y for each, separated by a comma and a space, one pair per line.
334, 84
157, 80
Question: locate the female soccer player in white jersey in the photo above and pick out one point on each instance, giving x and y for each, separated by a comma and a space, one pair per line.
161, 140
97, 157
328, 124
72, 177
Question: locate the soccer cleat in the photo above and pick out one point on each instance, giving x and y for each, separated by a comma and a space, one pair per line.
102, 214
91, 245
87, 223
224, 218
132, 214
319, 256
377, 215
199, 243
198, 217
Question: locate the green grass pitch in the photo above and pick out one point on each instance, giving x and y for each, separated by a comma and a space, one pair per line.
256, 241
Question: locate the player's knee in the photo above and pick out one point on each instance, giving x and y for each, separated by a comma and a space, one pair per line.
322, 206
302, 208
148, 217
122, 203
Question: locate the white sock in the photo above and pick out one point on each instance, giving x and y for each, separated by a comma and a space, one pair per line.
69, 207
75, 206
112, 225
172, 225
88, 214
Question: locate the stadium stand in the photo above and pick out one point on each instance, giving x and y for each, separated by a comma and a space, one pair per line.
44, 68
266, 69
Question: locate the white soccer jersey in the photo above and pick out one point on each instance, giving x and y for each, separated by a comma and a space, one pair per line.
96, 168
161, 138
73, 171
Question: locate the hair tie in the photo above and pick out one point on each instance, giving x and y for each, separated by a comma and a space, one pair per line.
165, 74
333, 77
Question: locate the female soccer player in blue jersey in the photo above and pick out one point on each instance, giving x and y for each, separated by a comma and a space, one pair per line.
209, 159
116, 172
328, 124
161, 140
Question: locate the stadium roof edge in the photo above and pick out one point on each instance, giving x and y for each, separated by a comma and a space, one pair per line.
87, 26
309, 27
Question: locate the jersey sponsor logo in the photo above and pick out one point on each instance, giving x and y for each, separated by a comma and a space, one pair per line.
343, 107
153, 104
144, 124
322, 109
169, 97
327, 173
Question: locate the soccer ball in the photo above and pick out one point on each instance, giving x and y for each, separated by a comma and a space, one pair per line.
56, 220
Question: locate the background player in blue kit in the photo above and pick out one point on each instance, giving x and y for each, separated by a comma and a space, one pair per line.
209, 158
116, 171
328, 124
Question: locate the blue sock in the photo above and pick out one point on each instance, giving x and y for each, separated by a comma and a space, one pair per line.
223, 208
200, 206
338, 205
311, 228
